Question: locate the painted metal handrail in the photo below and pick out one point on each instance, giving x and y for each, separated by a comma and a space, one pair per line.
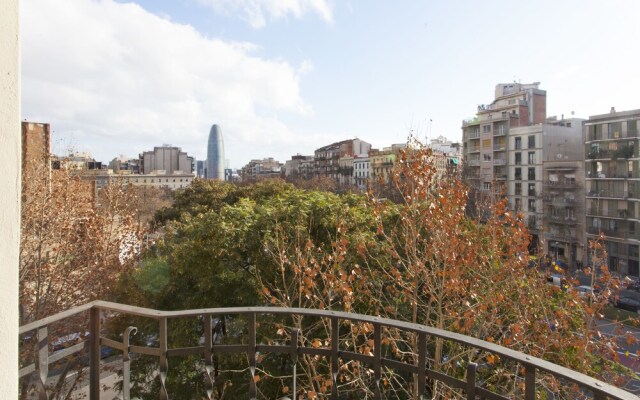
532, 365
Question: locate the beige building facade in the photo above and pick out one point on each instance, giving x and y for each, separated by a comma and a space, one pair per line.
612, 168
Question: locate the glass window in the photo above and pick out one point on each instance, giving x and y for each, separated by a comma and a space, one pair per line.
532, 157
531, 174
518, 188
486, 128
518, 175
532, 205
518, 143
518, 158
531, 141
531, 189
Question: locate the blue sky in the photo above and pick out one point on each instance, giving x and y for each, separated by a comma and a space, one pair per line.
287, 76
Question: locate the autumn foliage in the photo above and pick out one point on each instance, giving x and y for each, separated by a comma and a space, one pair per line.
419, 258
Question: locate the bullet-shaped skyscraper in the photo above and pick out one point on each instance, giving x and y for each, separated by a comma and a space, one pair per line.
215, 154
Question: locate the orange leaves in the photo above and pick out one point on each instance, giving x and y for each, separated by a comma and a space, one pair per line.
492, 359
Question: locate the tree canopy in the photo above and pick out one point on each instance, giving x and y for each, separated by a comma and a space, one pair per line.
420, 259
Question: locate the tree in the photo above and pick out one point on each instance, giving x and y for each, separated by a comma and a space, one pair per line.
74, 245
421, 258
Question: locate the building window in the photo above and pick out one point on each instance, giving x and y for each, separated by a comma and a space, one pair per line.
531, 174
531, 141
518, 188
532, 157
486, 185
532, 205
518, 176
518, 158
518, 204
531, 189
570, 213
518, 143
486, 128
486, 157
486, 143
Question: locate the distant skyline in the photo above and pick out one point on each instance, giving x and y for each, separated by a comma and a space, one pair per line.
283, 77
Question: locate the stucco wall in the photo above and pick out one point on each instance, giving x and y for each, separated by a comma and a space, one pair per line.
10, 198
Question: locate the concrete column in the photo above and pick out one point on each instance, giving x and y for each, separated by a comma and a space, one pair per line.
10, 153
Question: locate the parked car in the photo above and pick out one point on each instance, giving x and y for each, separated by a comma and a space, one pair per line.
585, 291
627, 303
557, 280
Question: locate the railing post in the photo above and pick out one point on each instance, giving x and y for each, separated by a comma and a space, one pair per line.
94, 353
422, 364
126, 363
163, 362
377, 359
471, 381
529, 382
43, 362
208, 359
335, 365
294, 359
251, 354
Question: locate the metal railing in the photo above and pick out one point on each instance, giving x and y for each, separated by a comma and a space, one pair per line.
331, 350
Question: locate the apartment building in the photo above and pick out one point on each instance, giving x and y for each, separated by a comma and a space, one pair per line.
166, 158
361, 171
612, 178
326, 158
528, 148
299, 167
345, 171
157, 179
381, 162
485, 136
261, 169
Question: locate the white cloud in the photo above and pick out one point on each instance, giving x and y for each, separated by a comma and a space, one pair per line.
257, 12
119, 77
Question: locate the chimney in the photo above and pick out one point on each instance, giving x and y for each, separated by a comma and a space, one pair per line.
613, 110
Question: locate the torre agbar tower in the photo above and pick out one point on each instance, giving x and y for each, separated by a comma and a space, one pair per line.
215, 154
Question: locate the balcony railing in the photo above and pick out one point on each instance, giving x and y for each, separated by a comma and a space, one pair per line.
615, 233
99, 311
474, 135
620, 214
612, 194
569, 238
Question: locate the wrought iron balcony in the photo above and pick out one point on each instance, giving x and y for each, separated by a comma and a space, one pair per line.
529, 369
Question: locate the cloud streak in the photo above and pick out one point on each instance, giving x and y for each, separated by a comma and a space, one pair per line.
258, 12
111, 72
